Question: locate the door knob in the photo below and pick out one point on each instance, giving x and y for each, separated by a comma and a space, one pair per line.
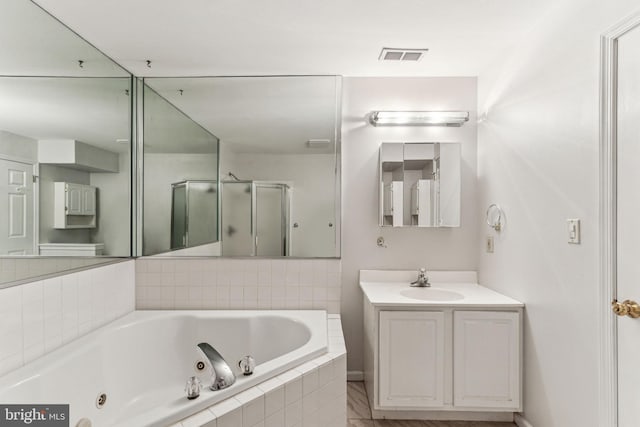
626, 308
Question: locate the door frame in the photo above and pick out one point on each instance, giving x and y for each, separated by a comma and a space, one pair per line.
36, 196
608, 390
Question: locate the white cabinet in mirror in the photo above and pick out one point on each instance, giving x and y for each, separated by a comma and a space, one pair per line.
420, 184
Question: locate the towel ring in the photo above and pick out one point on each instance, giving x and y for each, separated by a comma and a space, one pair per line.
493, 221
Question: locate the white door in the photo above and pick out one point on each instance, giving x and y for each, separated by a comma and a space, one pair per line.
411, 362
627, 266
17, 208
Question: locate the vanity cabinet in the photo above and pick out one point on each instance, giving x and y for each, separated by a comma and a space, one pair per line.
74, 206
412, 352
448, 359
486, 359
451, 351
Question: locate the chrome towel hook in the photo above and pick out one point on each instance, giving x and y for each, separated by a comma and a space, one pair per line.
495, 215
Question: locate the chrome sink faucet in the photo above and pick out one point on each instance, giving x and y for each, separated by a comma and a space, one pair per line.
222, 376
423, 280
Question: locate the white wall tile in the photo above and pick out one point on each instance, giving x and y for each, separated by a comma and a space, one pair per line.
40, 316
252, 406
238, 284
293, 414
274, 400
201, 419
275, 420
228, 413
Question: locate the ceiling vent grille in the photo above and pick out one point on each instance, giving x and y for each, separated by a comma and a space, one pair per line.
397, 54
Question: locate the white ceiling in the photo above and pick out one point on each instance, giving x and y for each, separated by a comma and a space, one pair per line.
35, 44
231, 37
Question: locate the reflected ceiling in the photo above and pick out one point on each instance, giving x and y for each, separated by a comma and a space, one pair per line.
256, 114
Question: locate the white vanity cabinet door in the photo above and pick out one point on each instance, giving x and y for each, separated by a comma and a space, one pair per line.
411, 360
486, 365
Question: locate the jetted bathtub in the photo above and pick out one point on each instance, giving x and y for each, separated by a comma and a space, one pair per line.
138, 365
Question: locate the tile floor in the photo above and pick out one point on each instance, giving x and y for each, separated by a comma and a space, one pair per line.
359, 414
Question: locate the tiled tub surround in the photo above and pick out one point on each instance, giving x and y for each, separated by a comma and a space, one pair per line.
145, 388
311, 395
251, 284
40, 316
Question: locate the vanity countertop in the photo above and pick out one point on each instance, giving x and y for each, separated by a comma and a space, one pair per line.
386, 288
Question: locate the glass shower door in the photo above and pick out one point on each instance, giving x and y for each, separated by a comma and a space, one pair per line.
271, 220
237, 220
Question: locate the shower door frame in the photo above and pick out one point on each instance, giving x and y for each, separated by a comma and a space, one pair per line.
186, 183
286, 210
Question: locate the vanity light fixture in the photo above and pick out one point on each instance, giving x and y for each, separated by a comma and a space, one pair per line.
418, 118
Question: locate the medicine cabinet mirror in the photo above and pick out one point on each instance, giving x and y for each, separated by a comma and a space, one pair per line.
65, 132
259, 162
420, 184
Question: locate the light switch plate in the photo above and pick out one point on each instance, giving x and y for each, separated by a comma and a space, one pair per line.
573, 229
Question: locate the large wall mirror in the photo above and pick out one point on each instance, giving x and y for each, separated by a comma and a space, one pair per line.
65, 150
252, 170
180, 193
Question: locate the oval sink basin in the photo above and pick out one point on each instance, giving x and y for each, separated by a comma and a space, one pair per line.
430, 294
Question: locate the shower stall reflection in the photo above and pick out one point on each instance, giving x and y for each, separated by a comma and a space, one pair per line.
194, 213
255, 218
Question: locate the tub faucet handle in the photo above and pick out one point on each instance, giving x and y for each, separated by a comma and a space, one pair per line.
193, 388
247, 364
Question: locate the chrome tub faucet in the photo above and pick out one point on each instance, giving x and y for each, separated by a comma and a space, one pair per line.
423, 280
222, 376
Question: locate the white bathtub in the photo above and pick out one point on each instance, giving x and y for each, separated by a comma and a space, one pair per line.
143, 360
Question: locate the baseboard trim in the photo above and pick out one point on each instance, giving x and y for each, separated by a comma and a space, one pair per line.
355, 376
521, 421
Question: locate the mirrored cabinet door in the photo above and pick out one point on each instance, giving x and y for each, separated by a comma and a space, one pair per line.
419, 185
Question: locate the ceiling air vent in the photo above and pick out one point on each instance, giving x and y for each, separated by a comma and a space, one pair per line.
397, 54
